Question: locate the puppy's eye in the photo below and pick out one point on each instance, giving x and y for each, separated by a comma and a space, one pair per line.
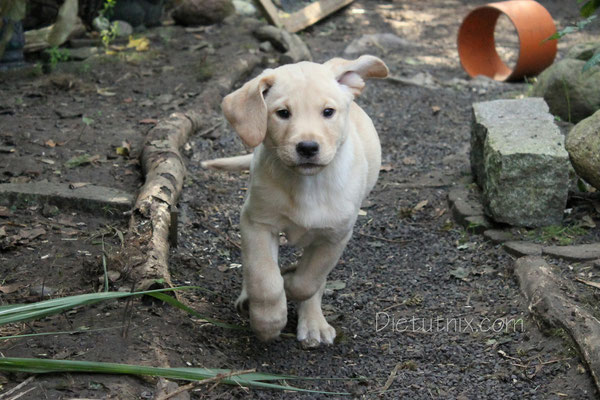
328, 112
283, 113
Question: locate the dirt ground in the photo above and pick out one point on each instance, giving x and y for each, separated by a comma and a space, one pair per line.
407, 260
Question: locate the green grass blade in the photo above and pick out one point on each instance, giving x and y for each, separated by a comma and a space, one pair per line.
35, 365
176, 303
73, 332
44, 308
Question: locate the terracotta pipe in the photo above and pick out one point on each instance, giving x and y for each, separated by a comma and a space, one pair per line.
477, 49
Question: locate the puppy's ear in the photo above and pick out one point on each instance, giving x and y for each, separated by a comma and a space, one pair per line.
246, 110
353, 73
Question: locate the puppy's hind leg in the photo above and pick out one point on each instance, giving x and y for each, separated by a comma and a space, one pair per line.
237, 163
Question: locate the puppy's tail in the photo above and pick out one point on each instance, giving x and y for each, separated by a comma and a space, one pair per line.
237, 163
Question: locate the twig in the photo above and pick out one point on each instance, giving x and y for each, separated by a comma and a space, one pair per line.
209, 130
216, 378
589, 283
390, 378
384, 239
18, 387
104, 266
18, 396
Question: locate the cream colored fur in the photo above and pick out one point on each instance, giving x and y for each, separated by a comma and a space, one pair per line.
313, 198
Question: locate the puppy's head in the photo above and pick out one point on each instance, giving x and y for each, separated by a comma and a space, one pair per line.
300, 111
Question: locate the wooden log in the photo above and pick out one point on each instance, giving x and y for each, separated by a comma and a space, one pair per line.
143, 261
311, 14
547, 301
146, 247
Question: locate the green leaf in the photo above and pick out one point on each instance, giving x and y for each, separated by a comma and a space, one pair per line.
589, 8
78, 161
26, 312
254, 379
592, 61
176, 303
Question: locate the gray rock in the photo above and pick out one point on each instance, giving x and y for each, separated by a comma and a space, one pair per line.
123, 28
244, 8
202, 12
138, 12
376, 43
583, 51
90, 198
82, 53
520, 249
582, 252
290, 44
463, 205
497, 236
519, 160
571, 93
266, 47
477, 224
41, 291
100, 24
583, 145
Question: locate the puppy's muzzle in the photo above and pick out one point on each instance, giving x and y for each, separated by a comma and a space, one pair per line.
307, 149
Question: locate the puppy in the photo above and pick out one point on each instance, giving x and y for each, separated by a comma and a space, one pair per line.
316, 157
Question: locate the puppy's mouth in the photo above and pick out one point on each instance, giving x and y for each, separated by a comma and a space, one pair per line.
308, 168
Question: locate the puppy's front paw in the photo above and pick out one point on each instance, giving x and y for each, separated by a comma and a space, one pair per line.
267, 319
314, 330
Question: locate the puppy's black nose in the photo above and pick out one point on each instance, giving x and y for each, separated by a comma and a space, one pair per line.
307, 148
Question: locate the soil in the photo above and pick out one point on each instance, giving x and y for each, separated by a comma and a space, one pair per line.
458, 326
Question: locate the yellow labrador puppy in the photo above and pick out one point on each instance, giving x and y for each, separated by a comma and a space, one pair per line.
317, 157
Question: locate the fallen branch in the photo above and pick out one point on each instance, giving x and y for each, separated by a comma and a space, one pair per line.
144, 258
547, 301
146, 245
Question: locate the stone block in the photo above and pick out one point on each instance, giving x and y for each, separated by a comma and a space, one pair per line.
519, 160
89, 198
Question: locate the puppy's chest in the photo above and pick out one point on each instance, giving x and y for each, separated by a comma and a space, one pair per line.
310, 214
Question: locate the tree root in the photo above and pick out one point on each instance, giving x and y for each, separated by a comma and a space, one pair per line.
550, 303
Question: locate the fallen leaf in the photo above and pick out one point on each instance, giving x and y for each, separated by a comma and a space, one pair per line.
460, 273
362, 213
30, 234
69, 232
4, 212
148, 121
386, 167
77, 185
8, 289
83, 159
335, 285
439, 212
588, 222
141, 44
420, 205
50, 143
435, 109
47, 161
105, 92
125, 149
409, 161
